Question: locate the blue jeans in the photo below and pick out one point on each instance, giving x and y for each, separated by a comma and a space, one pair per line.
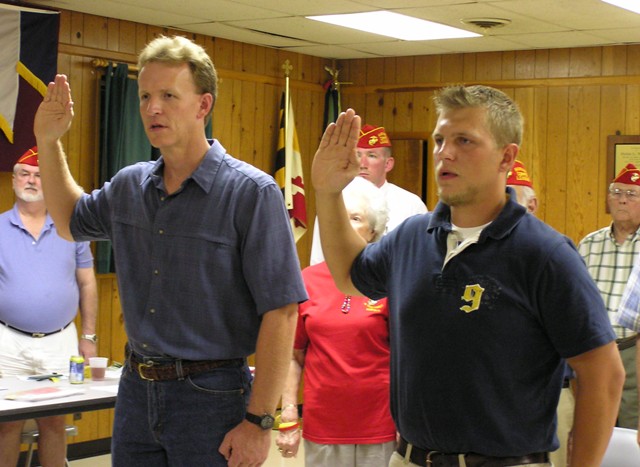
177, 423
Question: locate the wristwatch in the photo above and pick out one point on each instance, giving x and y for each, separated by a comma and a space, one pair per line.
90, 337
265, 422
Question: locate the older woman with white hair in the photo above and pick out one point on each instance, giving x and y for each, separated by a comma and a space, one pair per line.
342, 342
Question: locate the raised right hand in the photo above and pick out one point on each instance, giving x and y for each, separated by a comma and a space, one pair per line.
336, 163
55, 113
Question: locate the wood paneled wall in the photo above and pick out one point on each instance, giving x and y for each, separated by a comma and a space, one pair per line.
571, 98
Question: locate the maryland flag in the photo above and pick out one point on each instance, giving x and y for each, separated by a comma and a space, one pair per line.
288, 173
28, 59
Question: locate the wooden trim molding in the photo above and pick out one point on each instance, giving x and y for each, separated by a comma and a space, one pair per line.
101, 62
507, 83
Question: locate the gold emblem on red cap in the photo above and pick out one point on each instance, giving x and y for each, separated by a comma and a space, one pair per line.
518, 175
373, 137
629, 175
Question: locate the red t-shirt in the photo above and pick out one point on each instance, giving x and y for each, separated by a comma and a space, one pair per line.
346, 370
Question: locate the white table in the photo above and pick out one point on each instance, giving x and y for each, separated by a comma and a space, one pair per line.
96, 395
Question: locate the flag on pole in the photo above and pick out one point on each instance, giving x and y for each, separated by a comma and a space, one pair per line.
331, 102
288, 173
28, 61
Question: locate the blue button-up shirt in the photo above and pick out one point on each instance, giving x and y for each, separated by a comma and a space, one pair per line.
197, 268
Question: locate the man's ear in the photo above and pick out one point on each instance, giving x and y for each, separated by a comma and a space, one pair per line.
509, 156
389, 163
206, 104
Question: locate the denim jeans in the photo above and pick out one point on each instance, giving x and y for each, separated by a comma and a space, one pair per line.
177, 423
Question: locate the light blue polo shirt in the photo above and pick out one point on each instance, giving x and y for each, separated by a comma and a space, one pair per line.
38, 286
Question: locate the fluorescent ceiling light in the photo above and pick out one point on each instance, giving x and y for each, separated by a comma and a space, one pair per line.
395, 25
631, 5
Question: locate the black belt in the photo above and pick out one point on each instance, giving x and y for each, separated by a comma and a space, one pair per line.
437, 459
625, 343
163, 369
36, 334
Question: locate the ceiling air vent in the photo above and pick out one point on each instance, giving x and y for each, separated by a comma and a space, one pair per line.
486, 23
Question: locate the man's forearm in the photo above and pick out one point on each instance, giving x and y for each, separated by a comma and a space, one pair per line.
600, 377
61, 192
273, 356
88, 299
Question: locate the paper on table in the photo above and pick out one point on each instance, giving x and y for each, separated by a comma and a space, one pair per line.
41, 394
112, 388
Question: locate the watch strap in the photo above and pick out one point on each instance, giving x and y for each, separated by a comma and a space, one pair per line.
265, 421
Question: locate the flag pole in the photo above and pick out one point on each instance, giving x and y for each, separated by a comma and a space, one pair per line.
287, 67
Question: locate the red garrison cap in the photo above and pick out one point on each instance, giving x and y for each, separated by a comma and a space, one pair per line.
519, 176
373, 137
629, 175
30, 157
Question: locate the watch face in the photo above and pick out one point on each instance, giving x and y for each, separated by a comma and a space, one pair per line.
267, 422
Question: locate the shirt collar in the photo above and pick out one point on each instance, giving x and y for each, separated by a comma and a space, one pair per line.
15, 219
631, 238
500, 227
203, 176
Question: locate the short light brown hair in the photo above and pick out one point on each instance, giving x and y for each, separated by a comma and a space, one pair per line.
178, 50
503, 116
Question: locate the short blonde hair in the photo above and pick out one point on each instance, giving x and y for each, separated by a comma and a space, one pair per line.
503, 116
177, 50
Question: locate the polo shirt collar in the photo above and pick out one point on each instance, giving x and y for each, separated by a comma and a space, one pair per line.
499, 228
15, 219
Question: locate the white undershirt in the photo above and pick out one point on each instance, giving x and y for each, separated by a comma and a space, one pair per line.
460, 238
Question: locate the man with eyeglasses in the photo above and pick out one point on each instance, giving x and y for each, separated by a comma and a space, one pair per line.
610, 254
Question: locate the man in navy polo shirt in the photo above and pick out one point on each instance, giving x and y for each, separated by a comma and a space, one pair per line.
485, 300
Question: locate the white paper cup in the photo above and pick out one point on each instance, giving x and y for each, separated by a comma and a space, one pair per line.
98, 367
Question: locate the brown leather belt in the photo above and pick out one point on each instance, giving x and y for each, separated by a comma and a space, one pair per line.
625, 343
426, 458
36, 334
168, 370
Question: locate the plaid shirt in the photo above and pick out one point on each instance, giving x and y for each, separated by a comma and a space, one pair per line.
629, 312
610, 265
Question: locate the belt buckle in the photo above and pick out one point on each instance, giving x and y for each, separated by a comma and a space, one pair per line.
38, 334
142, 366
428, 458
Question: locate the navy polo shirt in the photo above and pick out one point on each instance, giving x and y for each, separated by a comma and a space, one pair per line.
477, 345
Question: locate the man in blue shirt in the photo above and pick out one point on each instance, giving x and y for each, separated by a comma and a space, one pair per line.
44, 281
485, 300
206, 266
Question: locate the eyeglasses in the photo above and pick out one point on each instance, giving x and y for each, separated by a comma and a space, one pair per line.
617, 193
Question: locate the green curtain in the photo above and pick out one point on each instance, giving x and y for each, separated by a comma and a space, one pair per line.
122, 138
